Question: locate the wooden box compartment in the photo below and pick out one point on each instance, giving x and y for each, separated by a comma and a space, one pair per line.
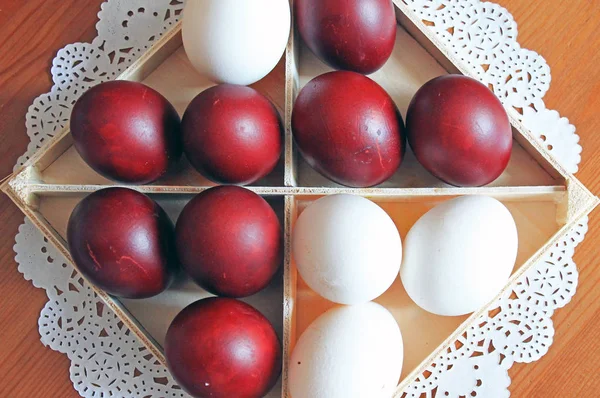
409, 67
544, 199
423, 332
141, 315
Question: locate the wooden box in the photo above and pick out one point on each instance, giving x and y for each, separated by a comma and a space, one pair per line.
544, 199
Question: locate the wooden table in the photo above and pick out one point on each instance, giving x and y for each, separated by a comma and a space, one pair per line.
564, 32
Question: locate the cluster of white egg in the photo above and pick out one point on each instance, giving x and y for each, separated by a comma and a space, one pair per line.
347, 249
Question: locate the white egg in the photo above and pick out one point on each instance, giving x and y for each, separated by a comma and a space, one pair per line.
346, 248
235, 41
348, 352
459, 255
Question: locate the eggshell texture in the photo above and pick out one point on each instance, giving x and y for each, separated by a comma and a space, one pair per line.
223, 348
349, 129
355, 35
232, 134
348, 352
346, 248
459, 131
235, 41
229, 241
123, 242
459, 255
126, 131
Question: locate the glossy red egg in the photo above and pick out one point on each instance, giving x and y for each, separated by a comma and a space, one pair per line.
123, 242
223, 348
126, 131
459, 131
355, 35
232, 134
349, 129
229, 241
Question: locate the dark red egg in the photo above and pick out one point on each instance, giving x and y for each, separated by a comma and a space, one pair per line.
356, 35
123, 242
459, 131
126, 131
232, 134
229, 241
223, 348
349, 129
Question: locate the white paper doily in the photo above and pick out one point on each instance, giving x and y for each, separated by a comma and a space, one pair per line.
108, 361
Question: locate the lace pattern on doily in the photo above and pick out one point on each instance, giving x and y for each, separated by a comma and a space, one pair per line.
107, 360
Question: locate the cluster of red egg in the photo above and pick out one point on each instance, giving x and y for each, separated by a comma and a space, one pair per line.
130, 133
227, 239
349, 129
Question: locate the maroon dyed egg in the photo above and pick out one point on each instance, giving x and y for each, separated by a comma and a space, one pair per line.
229, 241
232, 134
349, 129
459, 131
126, 131
223, 348
123, 242
356, 35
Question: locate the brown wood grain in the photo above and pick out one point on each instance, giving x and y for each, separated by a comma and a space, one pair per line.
31, 32
564, 32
